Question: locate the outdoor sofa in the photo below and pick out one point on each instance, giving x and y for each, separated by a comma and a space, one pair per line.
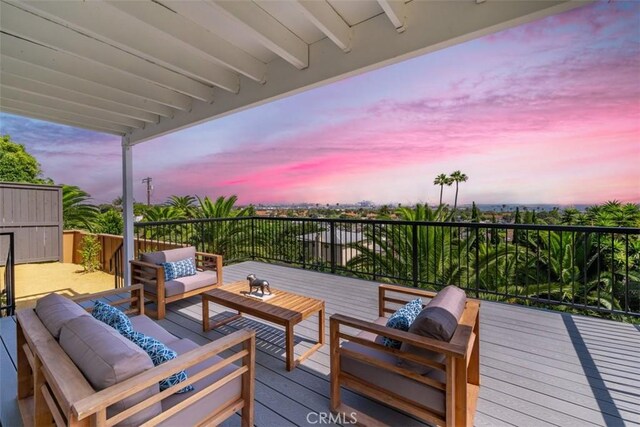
75, 370
434, 375
150, 272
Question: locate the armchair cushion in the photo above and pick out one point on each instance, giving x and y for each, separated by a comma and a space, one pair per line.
203, 407
170, 255
438, 320
407, 388
175, 270
55, 310
402, 320
186, 284
106, 358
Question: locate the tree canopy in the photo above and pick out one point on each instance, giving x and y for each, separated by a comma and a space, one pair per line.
17, 165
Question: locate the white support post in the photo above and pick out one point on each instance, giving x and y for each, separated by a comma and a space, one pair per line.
127, 207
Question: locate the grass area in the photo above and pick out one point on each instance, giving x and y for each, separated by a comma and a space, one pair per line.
36, 280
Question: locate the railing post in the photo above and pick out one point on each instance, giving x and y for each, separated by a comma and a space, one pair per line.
253, 238
477, 261
414, 254
332, 246
11, 299
304, 246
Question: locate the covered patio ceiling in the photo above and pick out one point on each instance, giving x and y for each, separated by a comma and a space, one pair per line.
142, 69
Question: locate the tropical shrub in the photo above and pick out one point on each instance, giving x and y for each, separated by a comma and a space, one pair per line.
90, 254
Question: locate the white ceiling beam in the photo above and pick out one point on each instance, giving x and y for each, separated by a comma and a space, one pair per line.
196, 39
375, 44
96, 19
59, 104
396, 11
321, 14
42, 56
27, 25
79, 98
139, 107
144, 107
62, 117
254, 20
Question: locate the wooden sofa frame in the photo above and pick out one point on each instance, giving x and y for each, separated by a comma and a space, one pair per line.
461, 366
149, 274
51, 388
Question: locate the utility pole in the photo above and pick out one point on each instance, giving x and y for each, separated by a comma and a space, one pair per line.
147, 181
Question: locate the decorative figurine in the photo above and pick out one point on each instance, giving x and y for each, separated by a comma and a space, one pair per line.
256, 283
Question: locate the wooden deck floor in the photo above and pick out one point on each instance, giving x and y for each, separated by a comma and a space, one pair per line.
539, 368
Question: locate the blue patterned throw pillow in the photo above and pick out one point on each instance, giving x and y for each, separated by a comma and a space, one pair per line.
112, 317
402, 319
182, 268
159, 353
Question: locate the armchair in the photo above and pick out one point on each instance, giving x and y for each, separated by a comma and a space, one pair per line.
443, 391
149, 272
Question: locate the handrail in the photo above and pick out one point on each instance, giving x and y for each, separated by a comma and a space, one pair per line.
585, 268
9, 278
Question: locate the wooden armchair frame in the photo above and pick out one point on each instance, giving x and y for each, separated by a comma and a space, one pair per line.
461, 367
153, 275
50, 386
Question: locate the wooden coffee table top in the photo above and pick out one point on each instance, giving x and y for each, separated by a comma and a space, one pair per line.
282, 308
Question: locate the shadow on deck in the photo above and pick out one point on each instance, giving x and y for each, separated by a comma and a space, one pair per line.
538, 367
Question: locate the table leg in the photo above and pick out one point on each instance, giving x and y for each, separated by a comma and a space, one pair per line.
291, 362
205, 314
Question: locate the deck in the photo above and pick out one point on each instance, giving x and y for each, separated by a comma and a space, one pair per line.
539, 368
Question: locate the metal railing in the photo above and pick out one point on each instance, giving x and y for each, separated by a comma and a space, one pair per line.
115, 267
7, 290
578, 267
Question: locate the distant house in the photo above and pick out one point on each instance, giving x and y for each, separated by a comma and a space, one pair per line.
318, 245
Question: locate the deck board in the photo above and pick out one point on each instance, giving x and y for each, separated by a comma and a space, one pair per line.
538, 367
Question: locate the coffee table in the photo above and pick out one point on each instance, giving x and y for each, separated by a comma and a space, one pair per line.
284, 308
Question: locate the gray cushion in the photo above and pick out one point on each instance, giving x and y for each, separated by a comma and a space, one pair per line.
149, 327
106, 358
414, 391
171, 255
209, 404
438, 320
186, 284
55, 310
370, 336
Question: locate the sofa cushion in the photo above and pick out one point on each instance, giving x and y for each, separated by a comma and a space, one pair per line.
438, 320
106, 358
170, 255
175, 270
149, 327
208, 404
407, 388
112, 316
402, 320
55, 310
186, 284
159, 354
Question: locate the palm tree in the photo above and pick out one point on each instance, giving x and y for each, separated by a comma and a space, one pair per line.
457, 177
77, 213
186, 204
442, 180
225, 236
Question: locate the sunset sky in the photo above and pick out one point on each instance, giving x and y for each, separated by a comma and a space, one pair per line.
548, 112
